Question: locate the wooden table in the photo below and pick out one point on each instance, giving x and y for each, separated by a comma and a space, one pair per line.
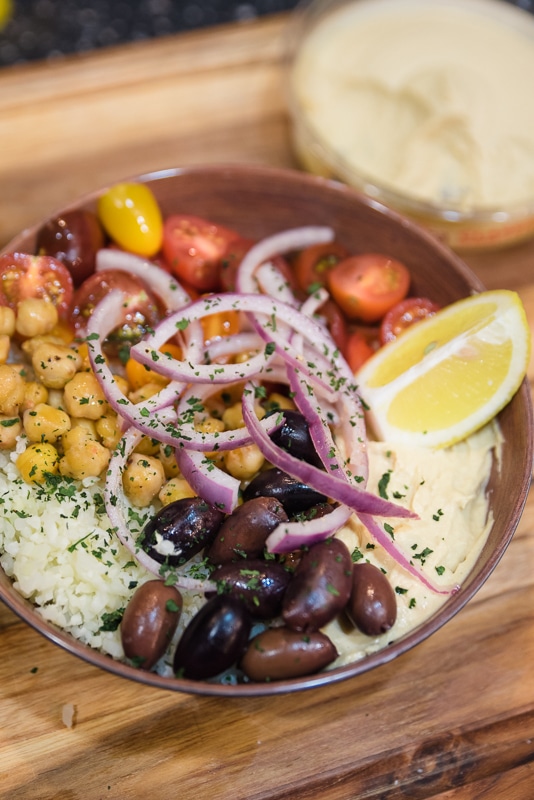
451, 720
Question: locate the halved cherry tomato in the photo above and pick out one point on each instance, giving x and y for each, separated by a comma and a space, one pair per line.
404, 314
23, 276
336, 324
193, 248
131, 216
313, 264
366, 286
236, 251
223, 323
359, 350
140, 311
138, 375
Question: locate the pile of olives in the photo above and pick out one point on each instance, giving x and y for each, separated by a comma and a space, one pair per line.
289, 597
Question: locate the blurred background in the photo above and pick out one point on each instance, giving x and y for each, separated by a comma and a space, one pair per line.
43, 29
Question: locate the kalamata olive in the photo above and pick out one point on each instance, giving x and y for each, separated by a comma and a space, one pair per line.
372, 606
280, 653
244, 531
180, 530
294, 495
215, 639
73, 238
320, 588
149, 622
261, 585
294, 436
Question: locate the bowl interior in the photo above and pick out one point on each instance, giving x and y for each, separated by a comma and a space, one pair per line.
260, 201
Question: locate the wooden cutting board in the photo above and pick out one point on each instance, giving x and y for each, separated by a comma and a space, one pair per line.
451, 720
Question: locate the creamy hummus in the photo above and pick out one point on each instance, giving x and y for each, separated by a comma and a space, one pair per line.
447, 490
430, 98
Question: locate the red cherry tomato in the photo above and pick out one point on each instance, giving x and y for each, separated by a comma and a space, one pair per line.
313, 264
366, 286
236, 251
193, 248
404, 314
359, 350
336, 324
140, 311
23, 276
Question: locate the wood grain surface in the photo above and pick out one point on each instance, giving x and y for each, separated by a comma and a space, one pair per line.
452, 719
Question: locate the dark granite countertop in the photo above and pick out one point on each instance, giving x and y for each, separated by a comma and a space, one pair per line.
42, 29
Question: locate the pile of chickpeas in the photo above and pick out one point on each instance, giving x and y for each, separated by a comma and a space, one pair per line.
51, 396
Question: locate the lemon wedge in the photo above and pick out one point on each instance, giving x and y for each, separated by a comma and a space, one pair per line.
448, 375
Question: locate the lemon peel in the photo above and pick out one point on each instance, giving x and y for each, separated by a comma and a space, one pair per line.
449, 375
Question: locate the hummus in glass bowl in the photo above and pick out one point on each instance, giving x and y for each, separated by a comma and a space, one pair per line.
424, 105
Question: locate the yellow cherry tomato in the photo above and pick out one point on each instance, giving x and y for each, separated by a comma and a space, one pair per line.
131, 216
138, 375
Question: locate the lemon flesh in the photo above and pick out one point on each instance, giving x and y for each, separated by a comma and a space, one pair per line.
449, 375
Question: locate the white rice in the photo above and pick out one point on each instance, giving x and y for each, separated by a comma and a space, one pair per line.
57, 545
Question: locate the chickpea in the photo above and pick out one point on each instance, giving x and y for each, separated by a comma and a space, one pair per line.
122, 384
233, 416
168, 459
244, 462
55, 364
276, 400
30, 345
55, 398
45, 423
145, 392
5, 344
147, 446
142, 479
35, 317
11, 390
10, 428
82, 430
86, 459
38, 461
83, 397
109, 430
175, 489
7, 321
34, 393
212, 425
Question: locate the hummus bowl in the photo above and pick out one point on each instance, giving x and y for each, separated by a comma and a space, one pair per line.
258, 202
423, 106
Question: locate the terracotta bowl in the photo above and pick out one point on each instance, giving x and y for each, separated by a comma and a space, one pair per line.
258, 201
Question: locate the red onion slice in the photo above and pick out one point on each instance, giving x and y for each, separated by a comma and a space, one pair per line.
271, 246
167, 288
216, 487
357, 499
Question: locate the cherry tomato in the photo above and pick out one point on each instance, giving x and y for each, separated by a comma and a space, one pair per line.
223, 323
131, 216
138, 375
313, 263
358, 350
74, 238
140, 311
236, 251
404, 314
366, 286
23, 276
336, 323
193, 248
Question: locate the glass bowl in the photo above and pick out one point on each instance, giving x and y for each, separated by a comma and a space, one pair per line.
410, 97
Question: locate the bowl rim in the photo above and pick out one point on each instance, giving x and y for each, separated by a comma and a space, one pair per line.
25, 610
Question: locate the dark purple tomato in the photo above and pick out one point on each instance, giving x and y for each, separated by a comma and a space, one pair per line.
73, 238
